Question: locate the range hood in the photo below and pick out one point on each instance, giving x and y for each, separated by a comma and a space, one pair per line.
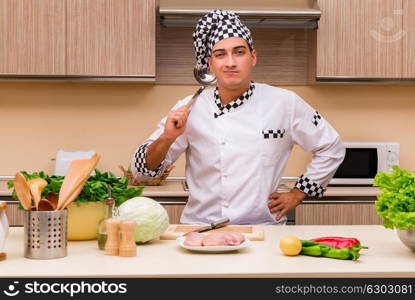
255, 14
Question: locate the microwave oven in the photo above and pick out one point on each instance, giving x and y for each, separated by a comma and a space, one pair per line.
363, 160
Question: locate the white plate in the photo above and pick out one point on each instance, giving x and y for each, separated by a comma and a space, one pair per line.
180, 242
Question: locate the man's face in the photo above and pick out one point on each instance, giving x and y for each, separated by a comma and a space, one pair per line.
232, 62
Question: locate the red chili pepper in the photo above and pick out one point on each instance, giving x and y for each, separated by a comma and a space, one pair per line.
338, 242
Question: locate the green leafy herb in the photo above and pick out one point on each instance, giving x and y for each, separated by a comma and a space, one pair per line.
396, 201
95, 189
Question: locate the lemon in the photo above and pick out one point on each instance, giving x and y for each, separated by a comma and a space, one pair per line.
290, 245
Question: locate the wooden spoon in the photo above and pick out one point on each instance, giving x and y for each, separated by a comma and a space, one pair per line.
53, 199
45, 205
75, 193
22, 191
36, 186
48, 203
75, 179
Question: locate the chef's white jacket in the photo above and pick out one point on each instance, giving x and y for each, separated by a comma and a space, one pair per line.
235, 161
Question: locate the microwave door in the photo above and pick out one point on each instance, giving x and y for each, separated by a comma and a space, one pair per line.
359, 167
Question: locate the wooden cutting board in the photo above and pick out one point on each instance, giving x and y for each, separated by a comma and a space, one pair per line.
251, 232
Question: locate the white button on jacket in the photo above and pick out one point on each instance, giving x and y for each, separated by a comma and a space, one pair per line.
235, 161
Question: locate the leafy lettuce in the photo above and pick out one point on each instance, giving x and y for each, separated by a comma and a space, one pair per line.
396, 201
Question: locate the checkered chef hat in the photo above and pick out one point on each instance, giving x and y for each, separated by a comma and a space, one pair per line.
213, 27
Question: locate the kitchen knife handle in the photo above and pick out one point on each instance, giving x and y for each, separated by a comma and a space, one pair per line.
220, 223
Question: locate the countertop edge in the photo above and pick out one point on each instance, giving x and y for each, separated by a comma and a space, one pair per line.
174, 187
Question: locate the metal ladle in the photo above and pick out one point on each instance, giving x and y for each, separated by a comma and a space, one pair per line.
205, 78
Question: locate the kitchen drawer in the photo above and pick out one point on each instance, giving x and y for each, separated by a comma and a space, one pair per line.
305, 214
174, 210
14, 215
351, 213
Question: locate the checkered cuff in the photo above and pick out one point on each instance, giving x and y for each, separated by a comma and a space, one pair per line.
141, 164
305, 185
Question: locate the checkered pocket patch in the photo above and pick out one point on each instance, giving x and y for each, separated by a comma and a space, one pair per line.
273, 134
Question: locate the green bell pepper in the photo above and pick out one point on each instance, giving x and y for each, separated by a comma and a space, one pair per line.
318, 249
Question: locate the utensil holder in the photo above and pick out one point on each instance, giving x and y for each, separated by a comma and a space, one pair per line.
45, 234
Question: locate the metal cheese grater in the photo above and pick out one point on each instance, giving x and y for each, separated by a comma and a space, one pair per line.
45, 234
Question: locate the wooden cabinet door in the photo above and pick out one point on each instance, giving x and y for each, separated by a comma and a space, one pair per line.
409, 39
111, 37
32, 37
15, 215
337, 214
174, 211
360, 39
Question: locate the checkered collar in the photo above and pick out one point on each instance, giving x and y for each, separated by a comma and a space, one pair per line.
234, 103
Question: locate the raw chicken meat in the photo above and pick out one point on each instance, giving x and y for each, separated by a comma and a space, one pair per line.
223, 238
215, 239
194, 239
237, 238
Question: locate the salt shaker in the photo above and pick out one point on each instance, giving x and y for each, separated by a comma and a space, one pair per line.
113, 236
128, 247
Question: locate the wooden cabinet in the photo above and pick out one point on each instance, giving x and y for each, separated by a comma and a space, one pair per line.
284, 56
347, 213
32, 37
15, 216
408, 39
111, 37
361, 39
78, 38
337, 214
175, 212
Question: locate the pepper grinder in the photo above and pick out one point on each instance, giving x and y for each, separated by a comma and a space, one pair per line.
4, 229
113, 236
128, 247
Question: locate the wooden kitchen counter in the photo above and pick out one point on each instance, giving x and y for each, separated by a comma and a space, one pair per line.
174, 188
386, 257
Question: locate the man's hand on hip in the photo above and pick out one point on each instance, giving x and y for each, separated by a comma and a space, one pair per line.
284, 202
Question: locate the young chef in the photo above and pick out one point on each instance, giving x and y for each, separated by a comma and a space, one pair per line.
238, 136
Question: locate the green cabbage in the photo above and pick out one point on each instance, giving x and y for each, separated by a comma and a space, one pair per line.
151, 218
396, 201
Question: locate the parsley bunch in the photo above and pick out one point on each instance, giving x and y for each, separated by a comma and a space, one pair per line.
95, 189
